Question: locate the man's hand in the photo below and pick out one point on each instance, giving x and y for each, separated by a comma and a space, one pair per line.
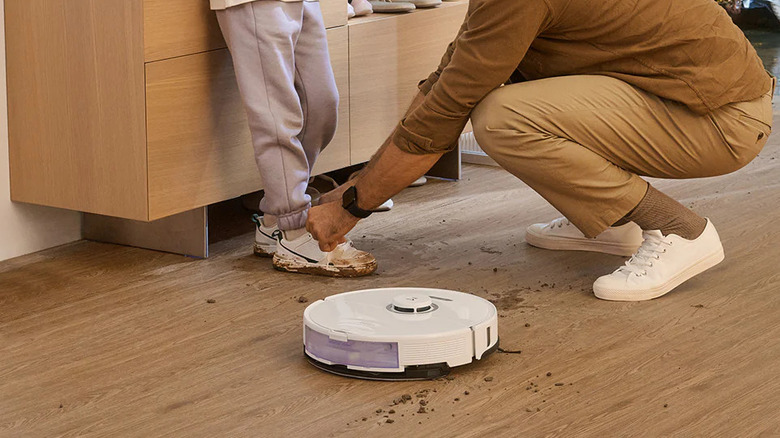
329, 223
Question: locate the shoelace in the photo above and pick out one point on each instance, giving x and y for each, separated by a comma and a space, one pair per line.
559, 223
650, 250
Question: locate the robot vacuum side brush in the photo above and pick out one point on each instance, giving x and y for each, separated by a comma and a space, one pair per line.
398, 333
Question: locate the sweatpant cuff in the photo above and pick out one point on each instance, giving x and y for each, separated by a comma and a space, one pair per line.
293, 221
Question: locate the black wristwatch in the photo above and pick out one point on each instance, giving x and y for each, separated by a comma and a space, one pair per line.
349, 201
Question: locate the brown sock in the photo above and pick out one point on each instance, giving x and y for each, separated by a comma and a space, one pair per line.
622, 221
657, 211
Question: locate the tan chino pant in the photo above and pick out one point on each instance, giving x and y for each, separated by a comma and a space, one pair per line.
582, 142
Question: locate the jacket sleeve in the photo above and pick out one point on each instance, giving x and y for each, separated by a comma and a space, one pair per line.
426, 84
490, 46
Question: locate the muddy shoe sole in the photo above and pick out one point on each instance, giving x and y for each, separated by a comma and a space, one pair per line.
287, 265
262, 252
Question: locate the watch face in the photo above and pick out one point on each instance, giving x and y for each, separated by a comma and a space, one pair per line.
349, 197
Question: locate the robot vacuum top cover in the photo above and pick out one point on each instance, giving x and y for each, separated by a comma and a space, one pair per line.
398, 333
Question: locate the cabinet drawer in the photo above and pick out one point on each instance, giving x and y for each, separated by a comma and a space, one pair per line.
184, 27
388, 57
179, 27
199, 149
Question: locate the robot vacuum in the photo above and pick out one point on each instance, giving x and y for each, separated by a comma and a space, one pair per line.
398, 333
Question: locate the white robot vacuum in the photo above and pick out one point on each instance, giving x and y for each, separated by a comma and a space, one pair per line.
398, 333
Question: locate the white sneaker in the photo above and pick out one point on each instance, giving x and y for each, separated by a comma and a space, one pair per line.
304, 255
265, 237
421, 181
560, 234
661, 264
386, 206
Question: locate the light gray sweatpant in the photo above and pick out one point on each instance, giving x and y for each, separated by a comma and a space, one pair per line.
280, 55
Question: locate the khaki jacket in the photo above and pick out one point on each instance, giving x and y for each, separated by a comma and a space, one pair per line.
686, 51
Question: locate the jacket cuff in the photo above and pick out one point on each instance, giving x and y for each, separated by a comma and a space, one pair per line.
411, 143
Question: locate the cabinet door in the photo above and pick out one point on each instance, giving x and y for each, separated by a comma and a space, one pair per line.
388, 57
199, 147
75, 79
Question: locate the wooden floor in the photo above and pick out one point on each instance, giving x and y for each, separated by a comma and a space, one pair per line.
103, 341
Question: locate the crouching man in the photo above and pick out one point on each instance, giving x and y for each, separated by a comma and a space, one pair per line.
604, 93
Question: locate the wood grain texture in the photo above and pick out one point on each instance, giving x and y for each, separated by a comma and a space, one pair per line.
199, 146
76, 105
334, 12
389, 54
179, 27
100, 340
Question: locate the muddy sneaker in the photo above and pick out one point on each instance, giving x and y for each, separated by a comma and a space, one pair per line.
661, 264
265, 237
304, 255
560, 234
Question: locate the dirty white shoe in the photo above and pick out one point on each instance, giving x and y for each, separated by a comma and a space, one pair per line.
304, 255
386, 206
560, 234
265, 237
659, 265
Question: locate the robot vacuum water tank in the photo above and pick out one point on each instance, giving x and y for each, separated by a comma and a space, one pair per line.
398, 333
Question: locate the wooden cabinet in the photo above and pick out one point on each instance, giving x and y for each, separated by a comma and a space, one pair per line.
130, 108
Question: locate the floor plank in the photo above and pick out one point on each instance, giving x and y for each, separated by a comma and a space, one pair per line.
99, 340
102, 340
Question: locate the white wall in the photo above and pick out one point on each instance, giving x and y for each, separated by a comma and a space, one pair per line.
26, 228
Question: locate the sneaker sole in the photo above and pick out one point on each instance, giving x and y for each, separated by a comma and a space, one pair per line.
288, 265
262, 251
648, 294
563, 244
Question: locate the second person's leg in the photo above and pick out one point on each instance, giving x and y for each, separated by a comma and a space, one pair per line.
261, 37
316, 84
